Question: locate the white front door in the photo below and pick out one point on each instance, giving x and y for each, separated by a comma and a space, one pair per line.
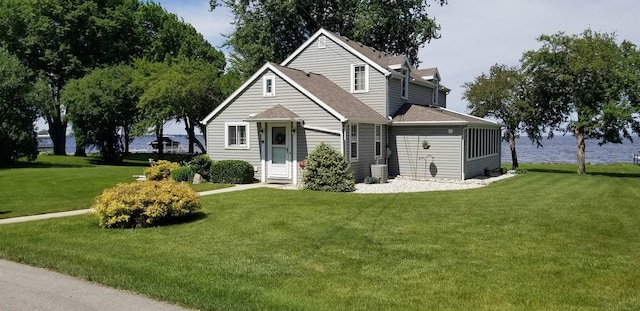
279, 151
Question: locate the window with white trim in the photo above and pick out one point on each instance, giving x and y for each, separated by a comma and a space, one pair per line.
322, 42
359, 78
482, 142
378, 141
404, 87
268, 86
236, 135
353, 142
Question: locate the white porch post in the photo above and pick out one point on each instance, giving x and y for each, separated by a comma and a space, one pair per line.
294, 129
263, 146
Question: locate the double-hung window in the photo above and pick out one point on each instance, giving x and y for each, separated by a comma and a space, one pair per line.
378, 141
236, 135
353, 142
359, 78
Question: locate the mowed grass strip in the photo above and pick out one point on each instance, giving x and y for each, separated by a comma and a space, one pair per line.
543, 240
64, 183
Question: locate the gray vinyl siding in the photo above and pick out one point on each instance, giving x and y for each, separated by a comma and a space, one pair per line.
334, 62
475, 167
441, 160
366, 151
308, 139
251, 101
418, 94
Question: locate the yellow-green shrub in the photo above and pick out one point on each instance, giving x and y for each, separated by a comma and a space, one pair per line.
160, 171
144, 204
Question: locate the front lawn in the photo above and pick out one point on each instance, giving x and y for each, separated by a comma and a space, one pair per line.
549, 239
64, 183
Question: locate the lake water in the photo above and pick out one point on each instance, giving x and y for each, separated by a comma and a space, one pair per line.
563, 149
560, 149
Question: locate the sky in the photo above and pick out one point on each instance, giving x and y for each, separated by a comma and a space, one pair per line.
475, 34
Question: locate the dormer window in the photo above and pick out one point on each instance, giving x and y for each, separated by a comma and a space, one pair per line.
269, 86
322, 42
359, 78
404, 87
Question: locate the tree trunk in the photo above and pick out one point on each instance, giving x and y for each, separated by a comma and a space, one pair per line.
159, 136
189, 128
512, 146
58, 134
579, 133
80, 150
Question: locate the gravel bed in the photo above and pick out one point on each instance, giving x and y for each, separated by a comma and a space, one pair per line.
404, 184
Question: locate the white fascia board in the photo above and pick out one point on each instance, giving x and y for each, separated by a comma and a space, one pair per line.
482, 120
414, 123
307, 93
235, 94
338, 41
369, 121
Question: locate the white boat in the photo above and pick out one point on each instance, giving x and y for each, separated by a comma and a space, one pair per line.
45, 143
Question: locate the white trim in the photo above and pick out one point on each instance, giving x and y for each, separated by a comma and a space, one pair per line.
366, 78
377, 140
246, 133
320, 129
470, 116
266, 78
263, 155
294, 147
412, 123
288, 156
269, 66
343, 140
338, 41
351, 158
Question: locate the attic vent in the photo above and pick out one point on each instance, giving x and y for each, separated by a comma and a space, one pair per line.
307, 73
322, 42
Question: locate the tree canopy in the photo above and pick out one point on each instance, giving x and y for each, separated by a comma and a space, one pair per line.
65, 39
18, 96
590, 83
502, 95
270, 30
102, 109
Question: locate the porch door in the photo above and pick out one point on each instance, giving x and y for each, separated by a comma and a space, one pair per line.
279, 161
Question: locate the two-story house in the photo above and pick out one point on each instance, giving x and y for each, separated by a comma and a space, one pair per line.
374, 107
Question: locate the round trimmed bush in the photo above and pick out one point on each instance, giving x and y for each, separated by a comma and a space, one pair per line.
201, 164
231, 172
160, 171
328, 170
144, 204
183, 173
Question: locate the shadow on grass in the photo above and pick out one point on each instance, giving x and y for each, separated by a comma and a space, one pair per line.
568, 171
193, 217
43, 165
4, 212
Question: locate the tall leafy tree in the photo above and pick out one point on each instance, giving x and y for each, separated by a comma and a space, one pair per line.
270, 30
591, 83
17, 110
64, 39
102, 109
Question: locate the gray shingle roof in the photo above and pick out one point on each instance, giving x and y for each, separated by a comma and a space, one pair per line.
418, 113
333, 95
277, 112
426, 72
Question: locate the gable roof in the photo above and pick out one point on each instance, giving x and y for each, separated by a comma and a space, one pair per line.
333, 95
275, 113
413, 114
334, 99
382, 61
428, 73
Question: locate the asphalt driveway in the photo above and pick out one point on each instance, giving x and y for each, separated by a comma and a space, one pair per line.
24, 287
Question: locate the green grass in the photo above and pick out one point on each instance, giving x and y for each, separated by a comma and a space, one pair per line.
64, 183
546, 240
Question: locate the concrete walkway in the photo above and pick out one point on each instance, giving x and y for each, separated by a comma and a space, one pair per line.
24, 287
89, 210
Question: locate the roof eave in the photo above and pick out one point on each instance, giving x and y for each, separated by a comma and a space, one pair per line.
274, 120
413, 123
